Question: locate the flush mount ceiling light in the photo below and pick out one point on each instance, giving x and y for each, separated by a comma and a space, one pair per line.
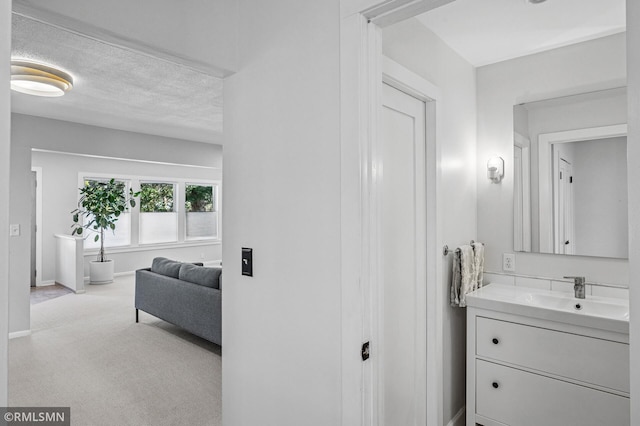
536, 1
38, 79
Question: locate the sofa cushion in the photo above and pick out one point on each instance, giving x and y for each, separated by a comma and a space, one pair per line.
201, 275
164, 266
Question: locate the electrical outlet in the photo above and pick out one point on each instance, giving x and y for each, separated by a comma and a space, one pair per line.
509, 262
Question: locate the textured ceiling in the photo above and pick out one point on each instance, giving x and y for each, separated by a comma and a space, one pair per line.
488, 31
117, 87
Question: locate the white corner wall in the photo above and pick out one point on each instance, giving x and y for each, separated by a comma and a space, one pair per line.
27, 133
420, 50
5, 148
583, 67
282, 327
633, 161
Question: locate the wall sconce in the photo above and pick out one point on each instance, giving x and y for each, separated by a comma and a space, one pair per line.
495, 169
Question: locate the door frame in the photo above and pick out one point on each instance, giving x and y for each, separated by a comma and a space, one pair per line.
38, 230
362, 70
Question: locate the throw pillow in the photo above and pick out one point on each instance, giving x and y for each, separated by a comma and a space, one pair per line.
209, 277
164, 266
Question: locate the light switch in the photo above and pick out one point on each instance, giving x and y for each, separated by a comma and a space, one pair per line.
247, 262
14, 230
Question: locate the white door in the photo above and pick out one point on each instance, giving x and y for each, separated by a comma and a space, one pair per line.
400, 389
563, 198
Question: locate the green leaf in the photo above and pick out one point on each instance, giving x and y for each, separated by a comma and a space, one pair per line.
101, 202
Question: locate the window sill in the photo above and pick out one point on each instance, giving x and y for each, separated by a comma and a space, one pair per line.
149, 247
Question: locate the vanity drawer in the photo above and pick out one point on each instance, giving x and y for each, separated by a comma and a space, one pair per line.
587, 359
518, 398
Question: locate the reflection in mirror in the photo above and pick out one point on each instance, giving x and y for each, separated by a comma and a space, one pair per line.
570, 175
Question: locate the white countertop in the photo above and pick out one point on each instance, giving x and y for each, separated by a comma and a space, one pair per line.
595, 312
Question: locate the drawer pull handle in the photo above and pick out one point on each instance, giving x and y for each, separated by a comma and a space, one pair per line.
495, 385
495, 341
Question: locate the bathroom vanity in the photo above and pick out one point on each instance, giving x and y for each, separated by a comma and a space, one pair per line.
537, 357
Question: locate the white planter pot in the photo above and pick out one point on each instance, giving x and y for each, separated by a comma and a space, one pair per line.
101, 272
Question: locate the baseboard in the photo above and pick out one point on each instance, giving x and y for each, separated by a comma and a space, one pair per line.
459, 418
17, 334
45, 283
115, 275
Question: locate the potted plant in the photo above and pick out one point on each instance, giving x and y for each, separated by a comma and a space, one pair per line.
100, 205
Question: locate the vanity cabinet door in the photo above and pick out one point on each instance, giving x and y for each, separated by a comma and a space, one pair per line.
518, 398
564, 354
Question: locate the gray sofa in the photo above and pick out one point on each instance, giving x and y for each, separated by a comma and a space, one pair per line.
184, 294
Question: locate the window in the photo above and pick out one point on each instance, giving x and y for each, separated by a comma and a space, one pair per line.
201, 206
158, 218
168, 211
121, 236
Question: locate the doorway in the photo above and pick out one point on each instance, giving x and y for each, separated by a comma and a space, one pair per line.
36, 226
365, 74
34, 229
563, 200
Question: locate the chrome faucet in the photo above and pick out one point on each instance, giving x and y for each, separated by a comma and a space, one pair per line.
578, 287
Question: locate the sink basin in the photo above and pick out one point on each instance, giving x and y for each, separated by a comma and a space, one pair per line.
596, 312
588, 306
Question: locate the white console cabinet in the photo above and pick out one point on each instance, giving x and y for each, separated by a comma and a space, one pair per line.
532, 371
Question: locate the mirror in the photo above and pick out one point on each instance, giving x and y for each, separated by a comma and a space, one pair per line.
570, 175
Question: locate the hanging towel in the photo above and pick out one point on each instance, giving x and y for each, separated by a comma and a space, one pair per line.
463, 274
478, 254
468, 263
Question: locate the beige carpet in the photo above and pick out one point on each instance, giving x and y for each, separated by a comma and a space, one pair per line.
87, 352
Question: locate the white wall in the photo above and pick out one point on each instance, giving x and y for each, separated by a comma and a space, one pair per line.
282, 327
29, 132
417, 48
60, 174
600, 197
5, 125
579, 68
633, 161
203, 33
